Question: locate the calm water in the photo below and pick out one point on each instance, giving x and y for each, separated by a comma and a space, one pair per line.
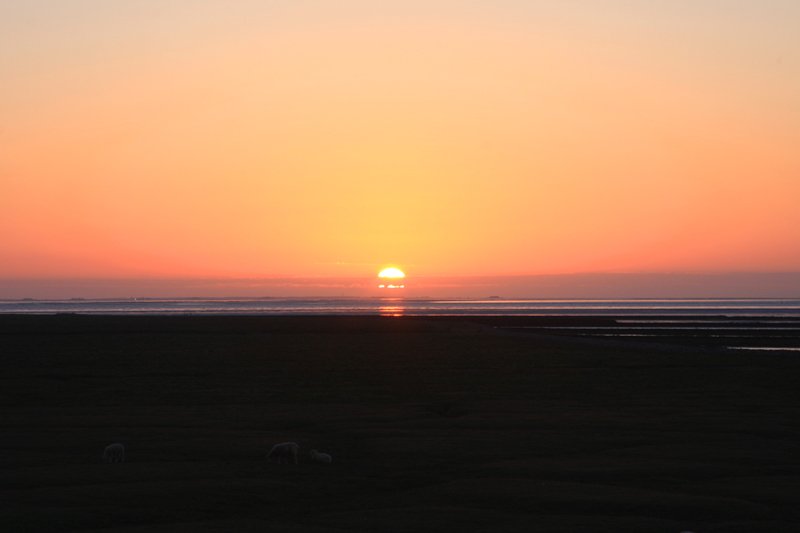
789, 308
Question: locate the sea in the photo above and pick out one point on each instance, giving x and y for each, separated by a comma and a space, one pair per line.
766, 308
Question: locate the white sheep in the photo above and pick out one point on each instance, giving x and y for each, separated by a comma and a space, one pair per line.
318, 457
284, 452
114, 453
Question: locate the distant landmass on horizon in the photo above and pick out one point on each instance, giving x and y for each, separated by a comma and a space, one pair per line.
600, 285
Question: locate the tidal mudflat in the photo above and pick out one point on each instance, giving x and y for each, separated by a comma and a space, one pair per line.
432, 424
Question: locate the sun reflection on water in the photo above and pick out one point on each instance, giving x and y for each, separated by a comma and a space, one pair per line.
394, 308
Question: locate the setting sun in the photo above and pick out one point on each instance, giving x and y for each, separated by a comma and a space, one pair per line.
391, 273
391, 278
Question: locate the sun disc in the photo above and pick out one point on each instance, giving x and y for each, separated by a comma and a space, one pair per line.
391, 273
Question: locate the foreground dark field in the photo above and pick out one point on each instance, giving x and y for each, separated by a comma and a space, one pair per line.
433, 425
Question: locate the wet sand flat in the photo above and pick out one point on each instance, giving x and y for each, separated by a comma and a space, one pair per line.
433, 425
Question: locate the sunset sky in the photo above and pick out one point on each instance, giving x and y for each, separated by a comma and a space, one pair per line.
258, 139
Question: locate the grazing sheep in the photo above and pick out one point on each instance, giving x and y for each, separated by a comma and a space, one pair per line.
318, 457
114, 453
285, 452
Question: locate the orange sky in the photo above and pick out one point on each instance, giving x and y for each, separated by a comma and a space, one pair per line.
198, 139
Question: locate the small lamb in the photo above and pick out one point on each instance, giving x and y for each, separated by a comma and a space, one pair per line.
114, 453
284, 452
318, 457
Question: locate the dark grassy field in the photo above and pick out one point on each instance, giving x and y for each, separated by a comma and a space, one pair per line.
434, 425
